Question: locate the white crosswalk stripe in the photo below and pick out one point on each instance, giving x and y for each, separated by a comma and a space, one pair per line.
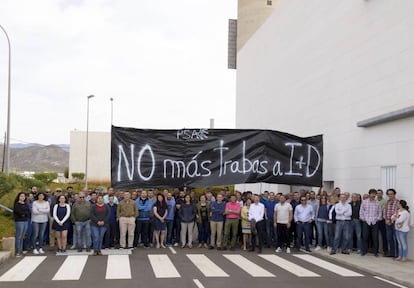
328, 266
23, 269
248, 266
163, 266
72, 268
206, 266
118, 267
289, 266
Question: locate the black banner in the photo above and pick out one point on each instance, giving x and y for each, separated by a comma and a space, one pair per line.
208, 157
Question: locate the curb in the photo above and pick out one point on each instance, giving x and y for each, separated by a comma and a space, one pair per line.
368, 270
4, 256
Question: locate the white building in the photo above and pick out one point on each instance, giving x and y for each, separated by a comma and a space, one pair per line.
344, 69
99, 155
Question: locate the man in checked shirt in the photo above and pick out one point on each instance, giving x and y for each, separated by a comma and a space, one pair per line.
370, 213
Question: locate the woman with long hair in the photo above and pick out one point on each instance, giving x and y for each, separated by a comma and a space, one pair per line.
402, 227
21, 213
61, 222
160, 211
203, 220
322, 216
40, 219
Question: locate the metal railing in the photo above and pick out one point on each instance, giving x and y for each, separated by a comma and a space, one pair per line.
6, 208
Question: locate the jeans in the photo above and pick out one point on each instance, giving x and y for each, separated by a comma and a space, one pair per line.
111, 235
271, 235
283, 235
366, 229
303, 227
341, 232
177, 229
98, 233
322, 228
21, 227
259, 228
391, 239
170, 225
402, 243
28, 242
203, 228
38, 232
383, 230
142, 229
83, 229
355, 227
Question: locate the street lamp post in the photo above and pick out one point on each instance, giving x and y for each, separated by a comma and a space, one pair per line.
87, 140
7, 151
112, 111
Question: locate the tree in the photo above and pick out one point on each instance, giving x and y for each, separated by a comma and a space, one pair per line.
66, 173
78, 175
46, 178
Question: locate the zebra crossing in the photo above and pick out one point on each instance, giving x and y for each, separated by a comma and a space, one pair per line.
164, 266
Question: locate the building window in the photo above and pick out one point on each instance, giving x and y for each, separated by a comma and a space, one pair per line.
388, 177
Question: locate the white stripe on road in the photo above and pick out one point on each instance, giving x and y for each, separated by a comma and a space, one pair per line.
328, 266
206, 266
163, 267
198, 283
248, 266
72, 268
172, 250
390, 282
118, 267
289, 266
23, 269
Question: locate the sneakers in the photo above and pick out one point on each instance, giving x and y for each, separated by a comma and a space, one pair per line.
288, 250
329, 249
35, 251
41, 251
278, 250
318, 248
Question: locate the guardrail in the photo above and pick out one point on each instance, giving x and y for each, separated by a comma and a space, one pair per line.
6, 208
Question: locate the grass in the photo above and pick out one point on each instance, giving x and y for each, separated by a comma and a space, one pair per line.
6, 226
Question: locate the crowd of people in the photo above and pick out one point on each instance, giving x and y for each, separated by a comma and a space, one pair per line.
151, 218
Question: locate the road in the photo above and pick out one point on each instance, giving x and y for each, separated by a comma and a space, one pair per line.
182, 268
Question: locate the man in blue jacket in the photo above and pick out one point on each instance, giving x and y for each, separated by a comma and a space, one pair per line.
144, 206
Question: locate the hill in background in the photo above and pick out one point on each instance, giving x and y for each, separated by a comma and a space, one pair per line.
37, 158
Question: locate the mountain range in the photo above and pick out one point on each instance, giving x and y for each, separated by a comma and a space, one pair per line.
37, 157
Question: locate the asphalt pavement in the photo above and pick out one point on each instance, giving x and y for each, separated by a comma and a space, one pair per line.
204, 268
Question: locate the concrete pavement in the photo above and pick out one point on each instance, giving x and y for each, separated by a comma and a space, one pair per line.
4, 256
385, 267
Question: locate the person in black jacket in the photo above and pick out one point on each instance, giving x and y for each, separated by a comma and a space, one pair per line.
187, 214
99, 223
21, 214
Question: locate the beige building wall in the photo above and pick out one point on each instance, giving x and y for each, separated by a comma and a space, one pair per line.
99, 155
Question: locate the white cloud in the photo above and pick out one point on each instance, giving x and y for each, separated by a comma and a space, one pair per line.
163, 62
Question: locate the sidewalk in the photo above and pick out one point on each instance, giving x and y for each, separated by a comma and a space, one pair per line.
387, 268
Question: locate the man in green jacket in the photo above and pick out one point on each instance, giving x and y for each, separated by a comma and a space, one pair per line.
81, 214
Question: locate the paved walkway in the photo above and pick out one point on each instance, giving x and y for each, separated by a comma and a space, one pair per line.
384, 267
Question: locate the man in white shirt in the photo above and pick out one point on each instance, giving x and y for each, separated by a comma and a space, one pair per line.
257, 214
282, 219
343, 212
303, 217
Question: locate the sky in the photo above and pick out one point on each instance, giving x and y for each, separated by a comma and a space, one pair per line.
163, 62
